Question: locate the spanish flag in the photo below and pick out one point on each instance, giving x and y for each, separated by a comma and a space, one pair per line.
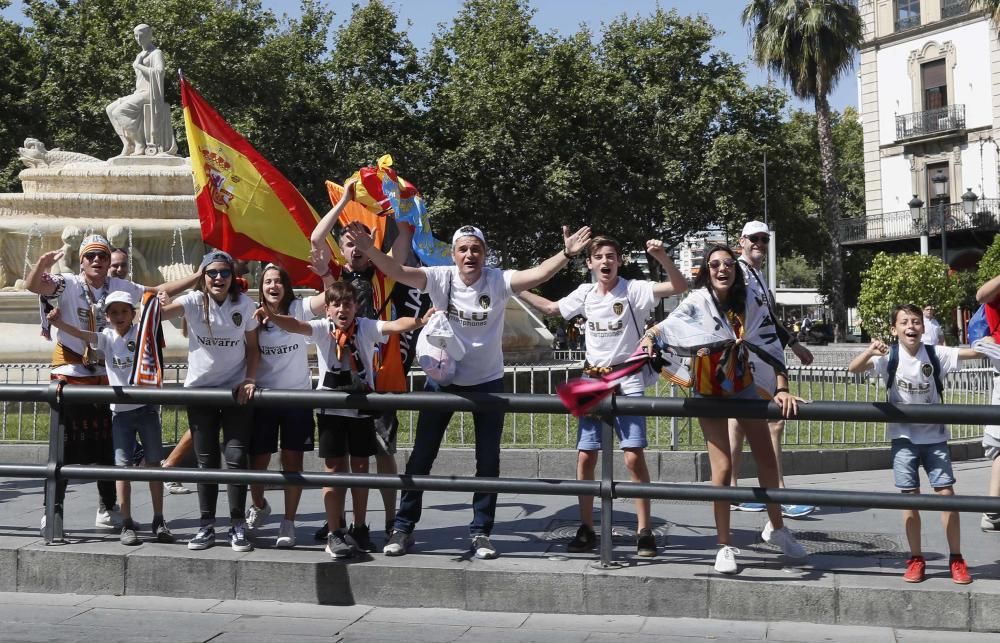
246, 206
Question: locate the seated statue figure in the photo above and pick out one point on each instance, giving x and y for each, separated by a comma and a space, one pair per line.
142, 120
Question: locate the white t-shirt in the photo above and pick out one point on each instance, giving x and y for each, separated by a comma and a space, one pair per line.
119, 355
932, 332
217, 350
73, 307
366, 336
284, 362
476, 313
915, 385
613, 322
764, 377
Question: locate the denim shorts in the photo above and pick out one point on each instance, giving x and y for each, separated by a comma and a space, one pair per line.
630, 429
143, 422
907, 458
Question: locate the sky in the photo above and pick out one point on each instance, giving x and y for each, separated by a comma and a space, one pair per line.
566, 16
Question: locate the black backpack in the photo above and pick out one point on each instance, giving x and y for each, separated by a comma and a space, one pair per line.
894, 364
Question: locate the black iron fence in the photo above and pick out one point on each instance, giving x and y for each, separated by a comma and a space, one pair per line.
57, 395
930, 121
902, 225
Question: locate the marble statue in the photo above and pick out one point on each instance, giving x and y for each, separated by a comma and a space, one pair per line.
142, 119
34, 154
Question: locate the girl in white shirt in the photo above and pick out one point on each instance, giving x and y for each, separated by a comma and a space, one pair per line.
222, 353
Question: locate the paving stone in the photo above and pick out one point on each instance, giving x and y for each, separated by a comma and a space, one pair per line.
83, 568
287, 626
503, 619
38, 613
526, 635
661, 589
927, 636
413, 580
161, 603
772, 594
396, 632
522, 586
296, 610
932, 608
24, 633
173, 570
154, 620
705, 627
318, 579
810, 633
585, 622
33, 598
249, 637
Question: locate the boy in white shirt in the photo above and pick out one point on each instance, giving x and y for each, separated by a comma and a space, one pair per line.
345, 351
913, 373
614, 309
118, 344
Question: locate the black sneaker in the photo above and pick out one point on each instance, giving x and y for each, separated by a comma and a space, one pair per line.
399, 542
338, 546
161, 533
646, 543
324, 531
129, 536
362, 537
585, 540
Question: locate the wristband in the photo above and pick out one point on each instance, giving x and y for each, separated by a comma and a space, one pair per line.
567, 255
781, 389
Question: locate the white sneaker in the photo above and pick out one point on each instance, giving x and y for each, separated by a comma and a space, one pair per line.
257, 515
105, 518
286, 534
725, 560
175, 488
784, 539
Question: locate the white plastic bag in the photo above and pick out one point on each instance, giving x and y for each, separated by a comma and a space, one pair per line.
438, 350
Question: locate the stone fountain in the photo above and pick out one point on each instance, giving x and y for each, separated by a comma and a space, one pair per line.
142, 200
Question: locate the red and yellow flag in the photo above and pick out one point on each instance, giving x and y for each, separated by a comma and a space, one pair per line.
246, 206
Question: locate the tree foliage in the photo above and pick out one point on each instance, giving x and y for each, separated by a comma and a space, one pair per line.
795, 272
989, 265
902, 279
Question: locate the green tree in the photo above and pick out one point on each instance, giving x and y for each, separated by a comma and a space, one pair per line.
811, 43
989, 265
991, 7
904, 278
795, 272
18, 59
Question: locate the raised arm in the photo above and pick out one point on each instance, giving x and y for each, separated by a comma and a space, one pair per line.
412, 277
406, 324
546, 306
401, 245
988, 291
676, 283
177, 286
56, 320
863, 362
36, 278
319, 262
574, 243
286, 323
325, 226
968, 353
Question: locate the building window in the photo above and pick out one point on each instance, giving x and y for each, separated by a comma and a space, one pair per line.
952, 8
934, 82
907, 14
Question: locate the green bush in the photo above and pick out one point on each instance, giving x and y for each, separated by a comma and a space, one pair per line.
902, 279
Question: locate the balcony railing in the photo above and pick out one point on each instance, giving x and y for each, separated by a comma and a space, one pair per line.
952, 8
931, 121
905, 23
900, 225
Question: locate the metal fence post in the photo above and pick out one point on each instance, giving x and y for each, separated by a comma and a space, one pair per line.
607, 489
53, 518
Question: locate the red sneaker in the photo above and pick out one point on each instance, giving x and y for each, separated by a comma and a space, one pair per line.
915, 569
960, 571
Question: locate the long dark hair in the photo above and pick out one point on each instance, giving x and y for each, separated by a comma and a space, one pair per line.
235, 290
286, 282
738, 291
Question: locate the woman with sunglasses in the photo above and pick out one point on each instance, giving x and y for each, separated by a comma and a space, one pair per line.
222, 353
720, 368
284, 364
81, 298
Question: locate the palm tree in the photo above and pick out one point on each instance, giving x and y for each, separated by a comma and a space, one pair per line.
811, 43
992, 8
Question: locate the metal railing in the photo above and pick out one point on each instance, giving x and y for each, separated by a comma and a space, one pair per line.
930, 121
27, 421
57, 395
900, 224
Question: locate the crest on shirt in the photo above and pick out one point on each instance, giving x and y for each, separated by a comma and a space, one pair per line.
237, 318
618, 308
926, 369
130, 346
484, 302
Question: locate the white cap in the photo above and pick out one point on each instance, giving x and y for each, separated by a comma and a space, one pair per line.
118, 297
468, 231
755, 227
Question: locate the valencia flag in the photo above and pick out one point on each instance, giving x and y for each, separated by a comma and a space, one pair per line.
246, 206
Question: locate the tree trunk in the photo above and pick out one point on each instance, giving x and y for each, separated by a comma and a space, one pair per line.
831, 207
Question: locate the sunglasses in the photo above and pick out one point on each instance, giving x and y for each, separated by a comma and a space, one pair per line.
92, 256
759, 238
715, 263
225, 273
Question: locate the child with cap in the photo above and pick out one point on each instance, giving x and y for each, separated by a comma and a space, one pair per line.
118, 344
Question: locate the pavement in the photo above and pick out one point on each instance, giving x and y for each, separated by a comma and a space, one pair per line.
851, 578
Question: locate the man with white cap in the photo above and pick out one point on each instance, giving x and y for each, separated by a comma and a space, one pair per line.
128, 421
81, 298
474, 297
754, 241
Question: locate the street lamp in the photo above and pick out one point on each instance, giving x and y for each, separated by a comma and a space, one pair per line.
940, 181
916, 204
969, 202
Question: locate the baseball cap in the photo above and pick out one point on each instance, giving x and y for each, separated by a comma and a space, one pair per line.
216, 255
94, 243
468, 231
118, 297
755, 227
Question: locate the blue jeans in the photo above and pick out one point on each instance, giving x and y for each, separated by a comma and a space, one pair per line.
144, 422
431, 426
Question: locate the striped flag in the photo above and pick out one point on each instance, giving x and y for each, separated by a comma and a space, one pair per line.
246, 206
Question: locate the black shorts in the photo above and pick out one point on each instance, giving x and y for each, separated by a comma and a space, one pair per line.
341, 435
295, 426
